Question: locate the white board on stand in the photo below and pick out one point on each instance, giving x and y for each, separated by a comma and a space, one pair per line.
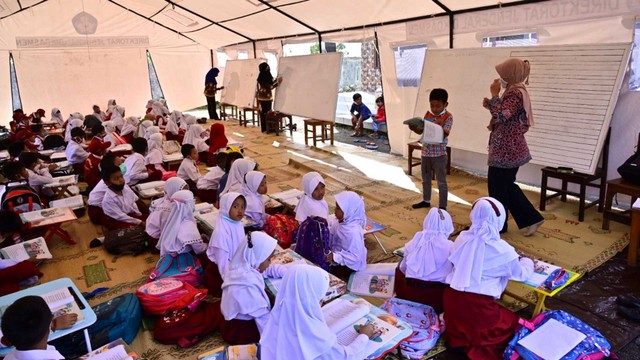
573, 90
309, 85
240, 80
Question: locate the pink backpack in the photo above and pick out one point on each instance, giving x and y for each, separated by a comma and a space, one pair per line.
184, 267
162, 295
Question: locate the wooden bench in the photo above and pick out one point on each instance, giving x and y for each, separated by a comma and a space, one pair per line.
417, 161
614, 187
311, 127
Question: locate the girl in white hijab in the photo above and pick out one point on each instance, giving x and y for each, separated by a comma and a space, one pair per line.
142, 128
112, 136
72, 123
238, 170
482, 265
150, 131
149, 106
172, 124
194, 137
347, 235
187, 121
228, 233
159, 209
130, 126
157, 110
111, 105
245, 305
56, 116
155, 152
117, 116
420, 276
312, 202
296, 327
180, 233
255, 186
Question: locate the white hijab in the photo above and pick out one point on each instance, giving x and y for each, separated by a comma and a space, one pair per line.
142, 128
422, 251
193, 135
109, 126
130, 125
238, 170
187, 121
73, 123
154, 156
227, 233
111, 105
243, 286
172, 124
180, 221
250, 192
480, 248
296, 327
351, 230
157, 108
150, 104
171, 186
56, 115
150, 131
117, 116
308, 206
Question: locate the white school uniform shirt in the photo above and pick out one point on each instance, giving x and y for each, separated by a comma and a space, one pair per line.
97, 194
37, 180
482, 262
426, 256
136, 171
180, 233
75, 153
211, 180
50, 354
227, 235
308, 206
119, 207
347, 242
296, 327
160, 208
188, 170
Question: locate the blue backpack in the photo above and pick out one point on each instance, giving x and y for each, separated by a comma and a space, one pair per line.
593, 347
313, 241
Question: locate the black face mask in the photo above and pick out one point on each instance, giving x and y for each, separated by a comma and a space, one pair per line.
117, 187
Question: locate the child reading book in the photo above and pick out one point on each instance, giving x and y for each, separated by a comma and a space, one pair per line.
312, 202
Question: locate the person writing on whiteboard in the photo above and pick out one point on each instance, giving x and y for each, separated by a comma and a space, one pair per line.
434, 155
511, 118
210, 89
266, 83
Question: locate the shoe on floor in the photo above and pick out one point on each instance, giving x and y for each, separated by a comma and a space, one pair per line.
629, 301
629, 313
421, 204
533, 228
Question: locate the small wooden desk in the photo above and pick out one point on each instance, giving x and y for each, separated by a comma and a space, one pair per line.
60, 187
618, 186
324, 126
413, 161
542, 294
244, 119
52, 224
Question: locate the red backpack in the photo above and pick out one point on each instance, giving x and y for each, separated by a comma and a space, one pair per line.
167, 294
185, 327
21, 198
282, 228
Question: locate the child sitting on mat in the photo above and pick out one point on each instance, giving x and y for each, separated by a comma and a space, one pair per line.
312, 202
348, 253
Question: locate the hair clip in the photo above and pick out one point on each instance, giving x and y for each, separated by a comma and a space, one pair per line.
441, 214
494, 206
249, 243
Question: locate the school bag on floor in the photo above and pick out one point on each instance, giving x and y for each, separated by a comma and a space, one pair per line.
184, 267
423, 320
118, 318
282, 228
593, 347
313, 241
163, 295
21, 198
127, 241
185, 327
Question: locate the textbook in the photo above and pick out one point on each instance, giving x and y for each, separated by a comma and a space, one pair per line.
115, 350
207, 218
40, 215
61, 302
232, 352
541, 271
24, 250
432, 133
345, 318
46, 152
375, 280
62, 181
74, 202
63, 164
122, 148
150, 189
289, 197
58, 156
172, 157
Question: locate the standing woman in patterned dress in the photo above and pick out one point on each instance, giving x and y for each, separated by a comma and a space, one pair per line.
511, 118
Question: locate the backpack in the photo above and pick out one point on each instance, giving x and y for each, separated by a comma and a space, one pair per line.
183, 267
630, 169
117, 318
424, 321
162, 295
127, 241
282, 228
313, 241
593, 347
21, 198
53, 142
186, 328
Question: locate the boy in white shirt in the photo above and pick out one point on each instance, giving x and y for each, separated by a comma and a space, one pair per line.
36, 178
96, 215
137, 172
188, 171
119, 202
208, 185
75, 152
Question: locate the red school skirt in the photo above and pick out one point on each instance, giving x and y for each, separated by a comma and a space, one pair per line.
477, 324
420, 291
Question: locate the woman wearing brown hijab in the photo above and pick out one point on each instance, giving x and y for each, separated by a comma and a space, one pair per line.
511, 117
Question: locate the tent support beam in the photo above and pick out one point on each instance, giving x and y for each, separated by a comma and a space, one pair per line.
23, 9
263, 2
450, 13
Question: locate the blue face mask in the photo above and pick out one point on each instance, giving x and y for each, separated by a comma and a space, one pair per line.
123, 169
230, 219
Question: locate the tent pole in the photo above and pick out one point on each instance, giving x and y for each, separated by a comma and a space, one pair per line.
320, 42
211, 55
255, 53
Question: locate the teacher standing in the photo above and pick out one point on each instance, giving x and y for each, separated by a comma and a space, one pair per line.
210, 89
266, 83
511, 118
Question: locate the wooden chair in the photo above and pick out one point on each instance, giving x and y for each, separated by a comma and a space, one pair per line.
223, 111
244, 119
597, 180
311, 126
614, 187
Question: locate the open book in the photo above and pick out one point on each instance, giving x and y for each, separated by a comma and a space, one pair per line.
432, 133
172, 157
344, 318
289, 197
541, 271
203, 206
122, 147
63, 164
62, 181
40, 215
115, 350
61, 302
24, 250
150, 189
58, 156
375, 280
74, 202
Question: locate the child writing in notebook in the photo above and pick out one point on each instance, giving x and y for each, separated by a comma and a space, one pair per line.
119, 202
188, 170
209, 183
96, 215
421, 275
255, 186
36, 179
312, 202
137, 172
180, 233
160, 208
348, 253
227, 234
75, 152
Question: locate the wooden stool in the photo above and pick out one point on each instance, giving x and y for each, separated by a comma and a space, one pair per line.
244, 120
618, 186
325, 126
417, 161
223, 111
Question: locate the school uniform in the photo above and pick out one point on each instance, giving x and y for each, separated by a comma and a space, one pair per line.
160, 208
112, 136
193, 137
49, 354
217, 142
421, 275
188, 171
308, 206
75, 153
172, 131
226, 237
92, 170
36, 180
72, 123
296, 327
207, 185
96, 215
235, 179
136, 171
347, 244
121, 210
255, 204
180, 233
129, 128
482, 266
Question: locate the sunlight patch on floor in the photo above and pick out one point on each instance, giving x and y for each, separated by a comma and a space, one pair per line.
380, 171
317, 160
451, 198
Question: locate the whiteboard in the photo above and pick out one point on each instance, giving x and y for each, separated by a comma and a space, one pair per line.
573, 90
309, 85
240, 80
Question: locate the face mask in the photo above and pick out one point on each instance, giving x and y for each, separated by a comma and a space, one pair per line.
230, 219
117, 187
45, 134
504, 84
123, 169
